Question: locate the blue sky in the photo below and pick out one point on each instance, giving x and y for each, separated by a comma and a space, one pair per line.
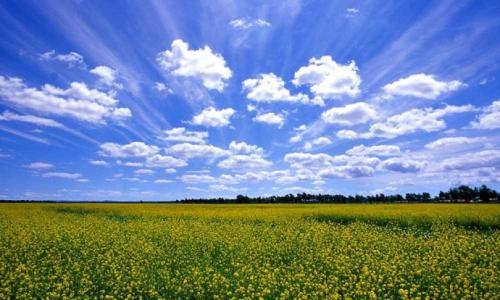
161, 100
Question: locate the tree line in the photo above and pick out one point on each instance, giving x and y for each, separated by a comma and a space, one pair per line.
460, 194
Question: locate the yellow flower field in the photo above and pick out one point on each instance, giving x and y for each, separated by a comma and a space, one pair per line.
313, 251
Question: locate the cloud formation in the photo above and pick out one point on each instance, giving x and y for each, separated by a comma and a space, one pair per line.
202, 64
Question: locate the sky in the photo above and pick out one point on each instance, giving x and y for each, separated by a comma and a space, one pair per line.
164, 100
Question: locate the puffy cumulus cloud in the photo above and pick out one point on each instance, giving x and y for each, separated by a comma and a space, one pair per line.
131, 164
211, 117
321, 141
270, 88
472, 176
39, 121
378, 150
278, 176
270, 118
421, 86
181, 134
308, 160
170, 170
351, 114
98, 162
347, 134
62, 175
198, 178
490, 118
189, 151
77, 101
244, 148
321, 165
202, 64
322, 160
106, 75
134, 149
355, 160
402, 165
248, 23
144, 172
328, 79
473, 160
72, 59
416, 119
347, 171
39, 166
452, 142
164, 161
244, 162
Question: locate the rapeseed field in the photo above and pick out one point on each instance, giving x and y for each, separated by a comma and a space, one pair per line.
313, 251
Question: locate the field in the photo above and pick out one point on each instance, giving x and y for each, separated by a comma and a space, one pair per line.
398, 251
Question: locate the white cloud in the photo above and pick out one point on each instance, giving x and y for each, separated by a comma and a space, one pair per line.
402, 165
319, 165
421, 86
107, 75
181, 134
77, 101
144, 172
164, 161
347, 134
170, 170
251, 107
62, 175
134, 149
452, 142
197, 178
321, 141
98, 162
351, 114
328, 79
270, 88
160, 87
211, 117
163, 181
308, 160
248, 23
352, 10
241, 161
378, 150
71, 59
410, 121
189, 151
490, 118
347, 171
9, 116
481, 159
40, 166
130, 164
270, 118
201, 64
244, 148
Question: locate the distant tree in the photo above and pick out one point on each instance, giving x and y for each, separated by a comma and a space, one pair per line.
485, 193
426, 197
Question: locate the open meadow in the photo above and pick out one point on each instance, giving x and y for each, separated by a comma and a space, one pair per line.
313, 251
